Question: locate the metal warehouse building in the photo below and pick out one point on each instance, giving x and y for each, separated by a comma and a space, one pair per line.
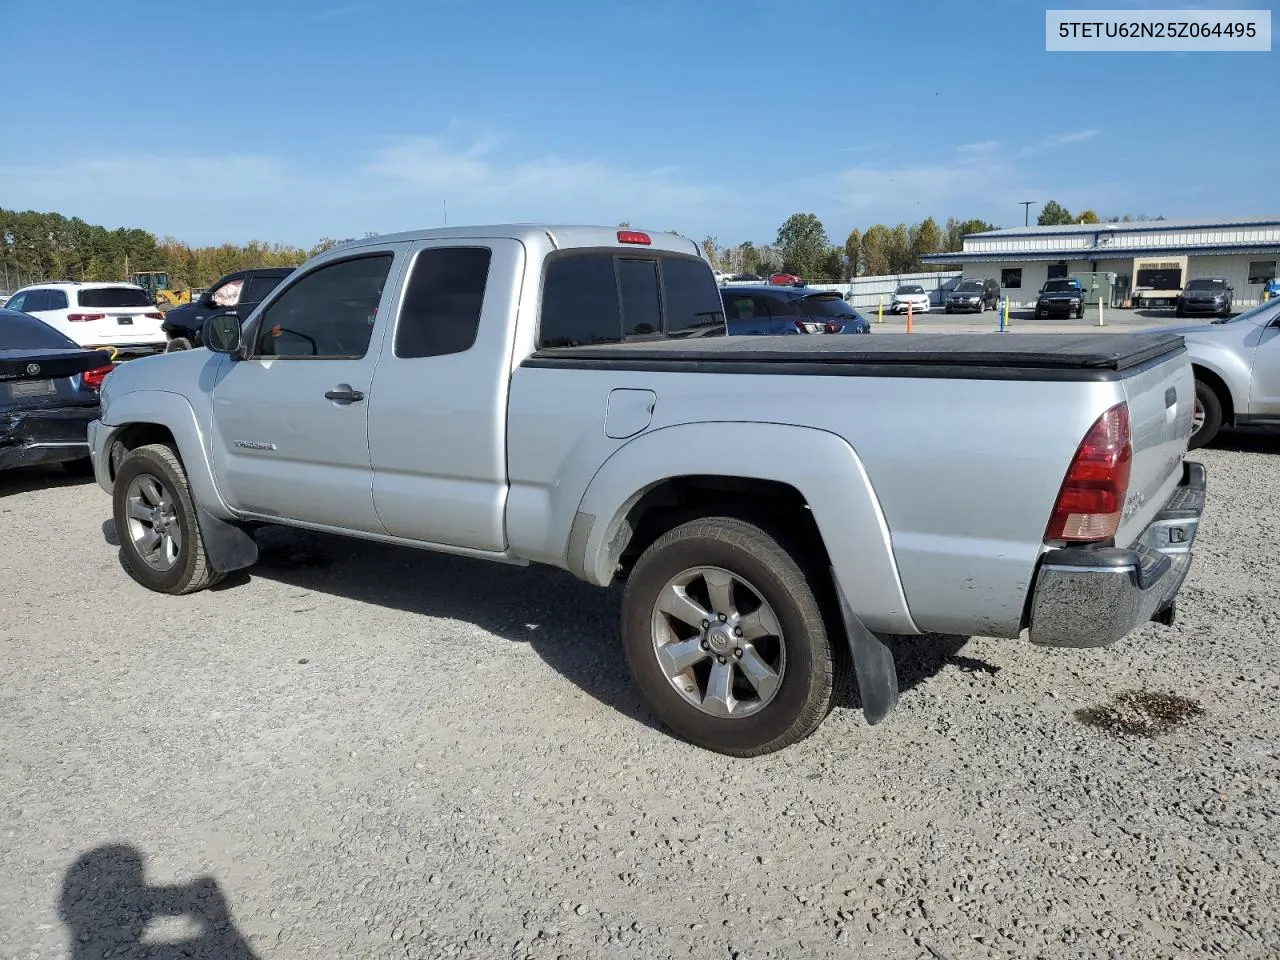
1142, 261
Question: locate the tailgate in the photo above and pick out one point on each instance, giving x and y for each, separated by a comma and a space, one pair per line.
1160, 400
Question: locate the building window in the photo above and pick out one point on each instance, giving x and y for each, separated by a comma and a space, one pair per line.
1262, 271
1057, 271
1011, 278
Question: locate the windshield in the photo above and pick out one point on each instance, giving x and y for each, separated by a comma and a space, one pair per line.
1207, 285
1060, 286
114, 297
826, 305
969, 286
910, 288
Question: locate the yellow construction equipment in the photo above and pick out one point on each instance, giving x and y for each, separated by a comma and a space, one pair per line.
156, 283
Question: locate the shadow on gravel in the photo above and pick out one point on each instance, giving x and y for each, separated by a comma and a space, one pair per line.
571, 625
1245, 441
919, 658
107, 906
19, 480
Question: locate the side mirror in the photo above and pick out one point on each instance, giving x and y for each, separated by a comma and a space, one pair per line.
222, 333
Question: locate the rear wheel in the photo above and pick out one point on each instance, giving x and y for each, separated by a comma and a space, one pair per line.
1206, 416
727, 640
155, 517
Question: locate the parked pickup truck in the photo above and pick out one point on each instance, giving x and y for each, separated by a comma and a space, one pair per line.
775, 506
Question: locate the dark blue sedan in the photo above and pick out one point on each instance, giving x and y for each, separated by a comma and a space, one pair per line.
48, 394
771, 311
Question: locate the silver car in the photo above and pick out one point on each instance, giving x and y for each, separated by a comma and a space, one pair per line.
1237, 366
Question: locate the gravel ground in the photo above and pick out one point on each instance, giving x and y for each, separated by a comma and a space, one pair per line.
365, 752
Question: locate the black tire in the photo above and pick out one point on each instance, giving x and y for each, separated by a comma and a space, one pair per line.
1080, 312
191, 570
79, 468
818, 663
1207, 399
1179, 312
177, 343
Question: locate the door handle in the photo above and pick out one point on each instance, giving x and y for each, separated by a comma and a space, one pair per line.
343, 393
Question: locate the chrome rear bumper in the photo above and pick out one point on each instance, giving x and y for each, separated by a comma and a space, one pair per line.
1093, 596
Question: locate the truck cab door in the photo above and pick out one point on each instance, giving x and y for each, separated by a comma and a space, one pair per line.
438, 409
290, 421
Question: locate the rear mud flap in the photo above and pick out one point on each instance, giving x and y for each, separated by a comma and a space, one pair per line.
873, 664
228, 546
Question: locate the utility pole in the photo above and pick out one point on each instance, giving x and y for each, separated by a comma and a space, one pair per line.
1026, 211
444, 205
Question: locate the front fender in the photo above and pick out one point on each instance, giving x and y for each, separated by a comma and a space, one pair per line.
1229, 367
821, 465
174, 412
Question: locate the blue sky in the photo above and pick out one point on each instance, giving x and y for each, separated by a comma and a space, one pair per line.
286, 121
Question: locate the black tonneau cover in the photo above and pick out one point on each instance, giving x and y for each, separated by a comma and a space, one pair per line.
1033, 356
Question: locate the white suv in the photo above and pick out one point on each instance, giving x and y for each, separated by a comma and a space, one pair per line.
119, 315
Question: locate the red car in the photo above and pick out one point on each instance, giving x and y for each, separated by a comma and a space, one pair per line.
785, 280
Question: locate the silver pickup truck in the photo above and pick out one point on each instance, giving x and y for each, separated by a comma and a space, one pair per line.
776, 506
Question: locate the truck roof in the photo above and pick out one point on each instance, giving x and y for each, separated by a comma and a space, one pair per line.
561, 236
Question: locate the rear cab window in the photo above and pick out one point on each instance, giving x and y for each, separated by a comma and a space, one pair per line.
107, 297
598, 297
258, 287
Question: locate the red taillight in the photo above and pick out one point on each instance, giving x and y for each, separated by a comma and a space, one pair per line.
1091, 500
154, 315
834, 327
633, 236
85, 317
93, 378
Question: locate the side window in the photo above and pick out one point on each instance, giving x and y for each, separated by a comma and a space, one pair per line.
739, 307
56, 299
227, 295
16, 302
442, 302
328, 313
256, 290
580, 302
691, 297
781, 308
38, 301
641, 309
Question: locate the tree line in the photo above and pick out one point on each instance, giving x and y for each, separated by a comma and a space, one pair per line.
48, 246
802, 246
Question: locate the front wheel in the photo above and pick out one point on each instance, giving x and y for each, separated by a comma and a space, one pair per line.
155, 518
1206, 416
726, 639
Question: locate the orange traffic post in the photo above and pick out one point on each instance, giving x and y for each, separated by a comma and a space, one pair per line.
908, 316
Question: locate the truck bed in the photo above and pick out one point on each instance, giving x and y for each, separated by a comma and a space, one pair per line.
980, 356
